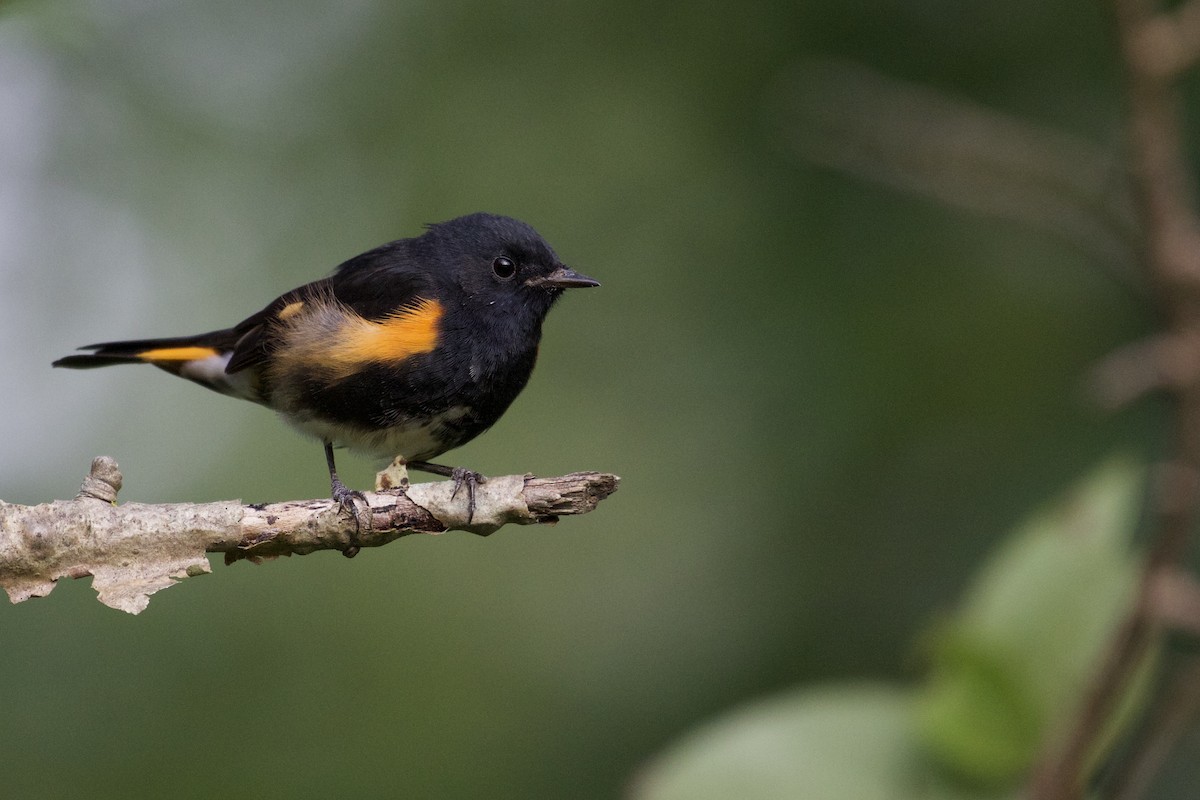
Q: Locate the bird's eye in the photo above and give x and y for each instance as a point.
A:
(504, 268)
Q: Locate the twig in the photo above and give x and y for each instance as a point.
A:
(1163, 362)
(928, 142)
(1163, 197)
(133, 550)
(1169, 43)
(1169, 722)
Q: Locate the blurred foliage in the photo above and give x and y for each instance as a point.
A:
(827, 399)
(1007, 670)
(850, 742)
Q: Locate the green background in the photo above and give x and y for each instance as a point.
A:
(827, 399)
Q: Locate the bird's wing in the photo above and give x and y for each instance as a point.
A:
(257, 333)
(369, 287)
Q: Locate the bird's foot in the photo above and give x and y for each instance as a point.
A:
(471, 479)
(461, 477)
(345, 497)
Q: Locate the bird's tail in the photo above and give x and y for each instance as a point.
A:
(160, 352)
(201, 358)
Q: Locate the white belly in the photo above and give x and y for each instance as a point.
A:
(413, 441)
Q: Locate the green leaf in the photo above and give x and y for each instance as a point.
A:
(847, 742)
(1006, 669)
(1009, 667)
(976, 713)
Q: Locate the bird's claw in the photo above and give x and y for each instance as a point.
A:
(460, 475)
(463, 476)
(345, 497)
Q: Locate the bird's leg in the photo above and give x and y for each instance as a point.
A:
(345, 498)
(460, 475)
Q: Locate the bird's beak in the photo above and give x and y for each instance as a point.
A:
(562, 278)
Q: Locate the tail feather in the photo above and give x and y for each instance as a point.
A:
(93, 360)
(201, 359)
(160, 352)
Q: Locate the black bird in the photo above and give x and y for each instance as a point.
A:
(410, 349)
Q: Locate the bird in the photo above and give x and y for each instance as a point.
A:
(408, 350)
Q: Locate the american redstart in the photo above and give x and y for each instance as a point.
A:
(410, 349)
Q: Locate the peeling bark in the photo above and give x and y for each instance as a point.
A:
(133, 550)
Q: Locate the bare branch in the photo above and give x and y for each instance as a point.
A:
(1168, 43)
(133, 550)
(928, 142)
(1163, 195)
(1162, 362)
(1174, 599)
(1168, 724)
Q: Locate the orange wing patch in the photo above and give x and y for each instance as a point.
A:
(411, 330)
(291, 309)
(406, 332)
(177, 354)
(329, 338)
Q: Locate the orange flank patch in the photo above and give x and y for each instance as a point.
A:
(177, 354)
(407, 332)
(291, 309)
